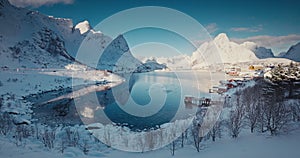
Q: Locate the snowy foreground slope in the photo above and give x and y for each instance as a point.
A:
(247, 146)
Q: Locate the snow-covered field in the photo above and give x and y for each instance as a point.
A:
(246, 146)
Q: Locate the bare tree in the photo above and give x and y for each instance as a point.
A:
(72, 137)
(183, 137)
(196, 135)
(107, 137)
(236, 117)
(5, 123)
(196, 130)
(215, 131)
(260, 117)
(48, 137)
(173, 147)
(251, 102)
(85, 147)
(141, 143)
(295, 109)
(276, 112)
(62, 146)
(22, 132)
(277, 116)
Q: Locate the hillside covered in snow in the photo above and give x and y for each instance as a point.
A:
(29, 39)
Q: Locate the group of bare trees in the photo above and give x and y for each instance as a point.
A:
(264, 107)
(236, 116)
(57, 138)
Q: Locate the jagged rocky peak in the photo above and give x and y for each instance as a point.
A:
(83, 26)
(117, 57)
(121, 43)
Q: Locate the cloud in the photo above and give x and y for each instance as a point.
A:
(277, 43)
(38, 3)
(211, 28)
(247, 29)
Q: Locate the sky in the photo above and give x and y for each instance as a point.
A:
(274, 24)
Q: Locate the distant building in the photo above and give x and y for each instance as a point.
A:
(256, 67)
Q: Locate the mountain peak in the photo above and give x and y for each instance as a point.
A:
(293, 53)
(222, 37)
(83, 26)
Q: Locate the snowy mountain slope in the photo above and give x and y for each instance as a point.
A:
(293, 53)
(117, 57)
(31, 39)
(260, 52)
(221, 47)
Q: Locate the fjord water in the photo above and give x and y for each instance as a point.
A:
(143, 101)
(146, 100)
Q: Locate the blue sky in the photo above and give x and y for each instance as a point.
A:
(260, 21)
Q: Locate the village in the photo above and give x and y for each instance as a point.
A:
(236, 76)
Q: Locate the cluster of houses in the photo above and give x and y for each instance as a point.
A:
(225, 85)
(239, 77)
(252, 71)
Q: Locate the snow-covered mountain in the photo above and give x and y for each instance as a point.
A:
(259, 51)
(30, 39)
(221, 48)
(293, 53)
